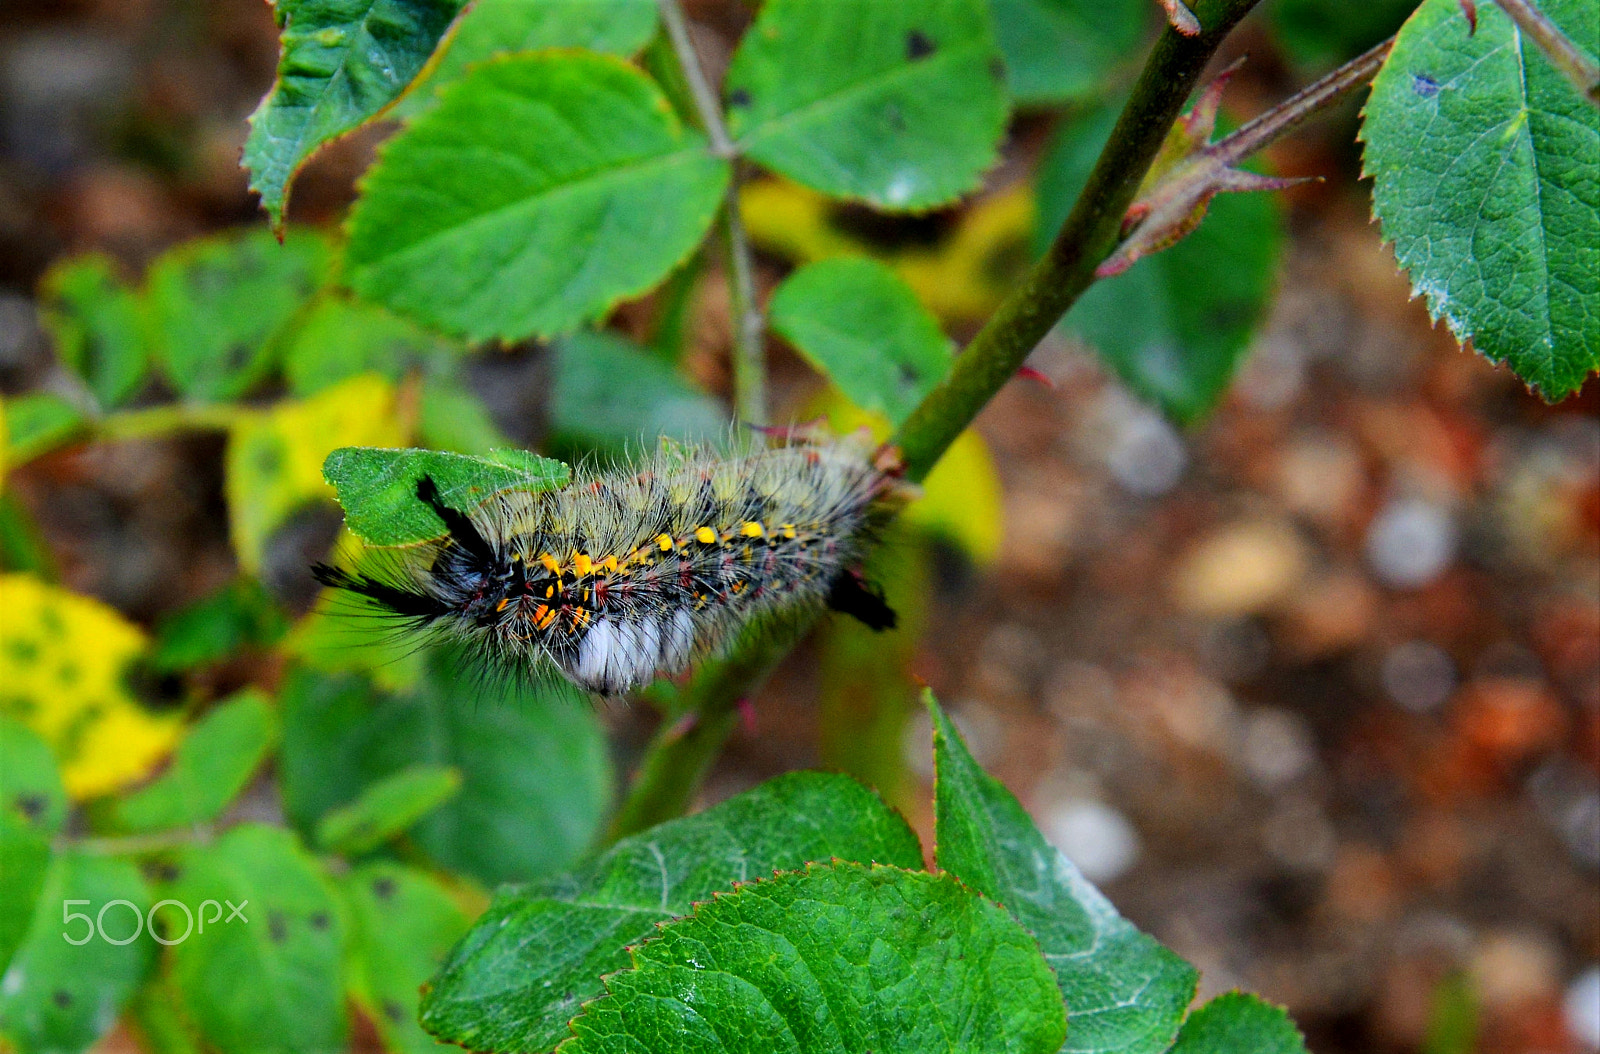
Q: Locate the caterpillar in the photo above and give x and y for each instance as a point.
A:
(634, 572)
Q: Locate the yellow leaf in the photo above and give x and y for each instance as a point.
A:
(961, 498)
(274, 459)
(963, 276)
(62, 664)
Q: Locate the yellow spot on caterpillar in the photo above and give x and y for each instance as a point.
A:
(581, 563)
(752, 530)
(580, 616)
(550, 563)
(543, 616)
(705, 535)
(502, 605)
(609, 564)
(664, 541)
(549, 591)
(788, 530)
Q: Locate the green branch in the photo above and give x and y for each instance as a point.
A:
(749, 341)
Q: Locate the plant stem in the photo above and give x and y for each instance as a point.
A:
(679, 756)
(1566, 56)
(1088, 234)
(167, 419)
(705, 100)
(1271, 125)
(749, 343)
(683, 750)
(135, 844)
(749, 328)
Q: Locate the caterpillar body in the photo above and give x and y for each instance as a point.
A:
(632, 573)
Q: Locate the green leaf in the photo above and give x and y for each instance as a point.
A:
(861, 326)
(1235, 1022)
(495, 27)
(33, 805)
(1453, 1017)
(217, 307)
(1059, 50)
(537, 776)
(1323, 33)
(1176, 325)
(402, 922)
(1125, 993)
(1482, 159)
(23, 546)
(387, 807)
(343, 62)
(240, 615)
(37, 423)
(451, 417)
(212, 765)
(866, 689)
(378, 488)
(837, 958)
(339, 338)
(94, 319)
(899, 105)
(330, 641)
(607, 393)
(59, 995)
(31, 794)
(538, 953)
(543, 189)
(156, 1017)
(269, 980)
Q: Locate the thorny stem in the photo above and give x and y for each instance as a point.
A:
(1267, 128)
(679, 756)
(749, 362)
(1566, 56)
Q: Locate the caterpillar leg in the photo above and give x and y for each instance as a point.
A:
(854, 596)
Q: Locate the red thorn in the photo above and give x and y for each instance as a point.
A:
(1181, 18)
(1034, 375)
(747, 716)
(1202, 119)
(1113, 267)
(1134, 216)
(1470, 9)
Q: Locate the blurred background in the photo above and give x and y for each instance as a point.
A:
(1311, 687)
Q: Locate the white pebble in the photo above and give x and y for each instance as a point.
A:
(1411, 542)
(1582, 1006)
(1418, 675)
(1146, 455)
(1094, 836)
(1277, 748)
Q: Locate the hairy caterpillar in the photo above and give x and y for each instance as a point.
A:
(632, 573)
